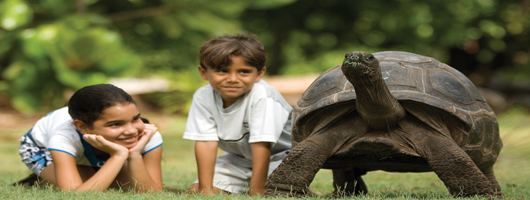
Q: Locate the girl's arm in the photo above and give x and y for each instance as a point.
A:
(144, 171)
(261, 152)
(206, 154)
(68, 177)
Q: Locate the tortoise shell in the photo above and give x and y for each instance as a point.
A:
(409, 77)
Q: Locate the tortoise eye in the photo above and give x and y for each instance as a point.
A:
(370, 57)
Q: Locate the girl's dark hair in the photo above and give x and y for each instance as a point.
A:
(88, 103)
(217, 53)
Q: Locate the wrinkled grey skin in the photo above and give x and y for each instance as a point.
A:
(392, 111)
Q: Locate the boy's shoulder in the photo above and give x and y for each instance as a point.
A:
(262, 87)
(203, 91)
(205, 96)
(263, 90)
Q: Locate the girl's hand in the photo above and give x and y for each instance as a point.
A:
(145, 136)
(99, 142)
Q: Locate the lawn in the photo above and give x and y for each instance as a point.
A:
(179, 170)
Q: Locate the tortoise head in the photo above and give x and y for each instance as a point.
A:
(360, 64)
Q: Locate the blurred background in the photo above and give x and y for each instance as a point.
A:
(50, 48)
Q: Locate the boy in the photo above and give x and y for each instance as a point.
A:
(239, 113)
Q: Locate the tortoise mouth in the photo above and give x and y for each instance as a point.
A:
(361, 66)
(354, 64)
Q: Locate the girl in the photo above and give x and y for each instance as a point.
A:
(98, 141)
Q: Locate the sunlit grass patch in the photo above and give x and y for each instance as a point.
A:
(514, 127)
(179, 169)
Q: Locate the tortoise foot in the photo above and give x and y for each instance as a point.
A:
(277, 192)
(348, 182)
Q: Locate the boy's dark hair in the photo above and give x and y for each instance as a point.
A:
(217, 53)
(88, 103)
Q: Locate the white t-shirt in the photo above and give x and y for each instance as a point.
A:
(261, 115)
(56, 131)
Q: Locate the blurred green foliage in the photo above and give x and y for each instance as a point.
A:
(48, 47)
(66, 52)
(481, 38)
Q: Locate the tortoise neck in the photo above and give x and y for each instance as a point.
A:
(375, 103)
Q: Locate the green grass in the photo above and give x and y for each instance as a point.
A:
(179, 170)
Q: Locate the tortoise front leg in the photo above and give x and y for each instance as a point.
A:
(496, 187)
(296, 172)
(455, 168)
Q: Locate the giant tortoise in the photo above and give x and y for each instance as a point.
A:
(391, 111)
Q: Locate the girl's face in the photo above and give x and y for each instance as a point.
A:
(120, 124)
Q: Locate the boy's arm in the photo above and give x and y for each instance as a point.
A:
(261, 152)
(206, 154)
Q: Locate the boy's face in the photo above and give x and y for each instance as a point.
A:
(232, 81)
